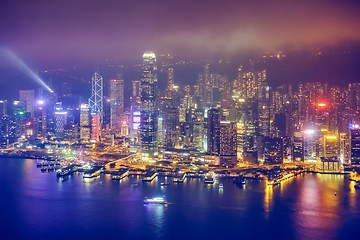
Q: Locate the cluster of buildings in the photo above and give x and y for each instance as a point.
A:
(218, 120)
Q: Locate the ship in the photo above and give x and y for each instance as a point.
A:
(155, 201)
(209, 179)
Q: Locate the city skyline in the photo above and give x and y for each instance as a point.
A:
(179, 119)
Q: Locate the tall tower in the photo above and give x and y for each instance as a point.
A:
(213, 132)
(170, 75)
(148, 123)
(97, 96)
(116, 102)
(28, 97)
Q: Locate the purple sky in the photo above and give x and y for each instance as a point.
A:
(57, 31)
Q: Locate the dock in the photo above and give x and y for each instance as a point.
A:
(180, 177)
(149, 176)
(120, 174)
(93, 172)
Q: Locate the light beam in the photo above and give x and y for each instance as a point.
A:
(19, 63)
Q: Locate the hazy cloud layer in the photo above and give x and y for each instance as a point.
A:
(55, 31)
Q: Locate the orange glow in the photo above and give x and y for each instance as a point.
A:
(321, 104)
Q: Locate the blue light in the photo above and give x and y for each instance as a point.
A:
(26, 69)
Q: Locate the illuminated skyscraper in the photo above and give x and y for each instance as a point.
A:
(170, 77)
(331, 146)
(95, 128)
(97, 96)
(171, 127)
(136, 91)
(148, 124)
(273, 150)
(355, 146)
(264, 109)
(213, 131)
(85, 122)
(116, 103)
(228, 143)
(60, 122)
(28, 97)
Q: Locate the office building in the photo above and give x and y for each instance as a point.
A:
(149, 110)
(116, 103)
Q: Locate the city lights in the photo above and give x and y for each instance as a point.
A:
(309, 131)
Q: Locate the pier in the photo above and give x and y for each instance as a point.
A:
(120, 175)
(180, 177)
(149, 176)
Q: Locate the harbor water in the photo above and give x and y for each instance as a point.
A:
(38, 205)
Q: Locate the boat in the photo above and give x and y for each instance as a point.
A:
(221, 185)
(155, 201)
(164, 183)
(209, 179)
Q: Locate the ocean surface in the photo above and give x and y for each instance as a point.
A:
(36, 205)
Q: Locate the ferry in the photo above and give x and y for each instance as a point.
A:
(155, 201)
(221, 185)
(209, 179)
(64, 171)
(164, 183)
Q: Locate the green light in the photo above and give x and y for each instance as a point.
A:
(21, 113)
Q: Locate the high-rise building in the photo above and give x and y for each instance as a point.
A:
(116, 103)
(60, 122)
(97, 96)
(136, 91)
(273, 150)
(28, 97)
(228, 143)
(213, 131)
(171, 117)
(95, 128)
(170, 78)
(331, 146)
(3, 107)
(355, 146)
(264, 109)
(149, 110)
(85, 122)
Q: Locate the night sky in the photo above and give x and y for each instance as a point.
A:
(51, 32)
(55, 34)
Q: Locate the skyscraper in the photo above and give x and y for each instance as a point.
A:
(85, 122)
(170, 76)
(97, 96)
(148, 124)
(116, 103)
(136, 91)
(213, 131)
(28, 97)
(228, 141)
(355, 146)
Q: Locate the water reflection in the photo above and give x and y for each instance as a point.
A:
(155, 217)
(268, 198)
